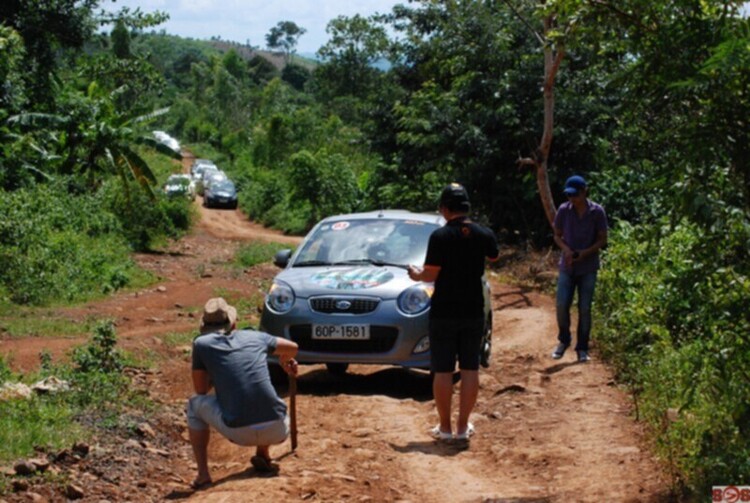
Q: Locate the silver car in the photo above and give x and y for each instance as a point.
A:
(345, 296)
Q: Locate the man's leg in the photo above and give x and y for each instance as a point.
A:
(442, 389)
(199, 440)
(586, 285)
(564, 299)
(469, 392)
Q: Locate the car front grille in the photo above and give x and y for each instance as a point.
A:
(331, 305)
(381, 340)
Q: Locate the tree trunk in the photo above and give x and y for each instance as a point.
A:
(552, 59)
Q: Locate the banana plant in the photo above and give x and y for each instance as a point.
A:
(89, 137)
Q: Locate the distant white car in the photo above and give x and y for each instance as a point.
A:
(160, 136)
(167, 140)
(180, 185)
(202, 164)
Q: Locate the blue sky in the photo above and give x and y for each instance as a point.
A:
(243, 20)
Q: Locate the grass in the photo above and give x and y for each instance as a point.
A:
(44, 421)
(100, 393)
(19, 322)
(177, 339)
(256, 253)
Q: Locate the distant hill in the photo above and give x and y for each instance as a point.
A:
(275, 58)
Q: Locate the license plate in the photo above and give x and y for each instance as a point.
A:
(345, 332)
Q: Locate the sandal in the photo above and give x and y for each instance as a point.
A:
(470, 430)
(439, 434)
(262, 464)
(197, 485)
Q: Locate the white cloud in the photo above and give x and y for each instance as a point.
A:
(252, 19)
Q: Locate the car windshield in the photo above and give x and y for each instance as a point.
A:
(223, 186)
(374, 241)
(177, 180)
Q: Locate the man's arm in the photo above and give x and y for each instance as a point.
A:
(601, 242)
(286, 350)
(201, 382)
(428, 273)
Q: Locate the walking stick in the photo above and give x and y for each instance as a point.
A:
(293, 408)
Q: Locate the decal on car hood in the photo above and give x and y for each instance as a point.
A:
(358, 278)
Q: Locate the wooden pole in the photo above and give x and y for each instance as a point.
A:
(293, 409)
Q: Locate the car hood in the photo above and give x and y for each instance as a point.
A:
(384, 282)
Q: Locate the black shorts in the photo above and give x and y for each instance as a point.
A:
(453, 338)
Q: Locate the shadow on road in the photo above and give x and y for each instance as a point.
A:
(435, 448)
(392, 382)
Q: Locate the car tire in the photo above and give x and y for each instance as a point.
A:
(338, 369)
(485, 352)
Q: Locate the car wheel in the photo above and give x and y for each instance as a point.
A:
(486, 348)
(338, 369)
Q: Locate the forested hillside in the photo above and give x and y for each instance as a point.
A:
(649, 100)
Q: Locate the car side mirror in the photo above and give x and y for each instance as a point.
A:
(281, 259)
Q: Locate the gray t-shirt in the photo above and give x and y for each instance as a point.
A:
(237, 366)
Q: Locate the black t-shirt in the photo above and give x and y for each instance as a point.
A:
(459, 249)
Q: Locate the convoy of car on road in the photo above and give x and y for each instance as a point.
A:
(205, 179)
(344, 296)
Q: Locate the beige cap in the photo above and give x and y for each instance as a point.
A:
(218, 316)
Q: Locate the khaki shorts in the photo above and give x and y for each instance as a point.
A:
(203, 411)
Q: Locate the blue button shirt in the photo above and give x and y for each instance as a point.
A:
(580, 233)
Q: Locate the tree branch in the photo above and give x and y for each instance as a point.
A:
(525, 22)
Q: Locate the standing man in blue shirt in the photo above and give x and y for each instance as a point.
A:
(580, 232)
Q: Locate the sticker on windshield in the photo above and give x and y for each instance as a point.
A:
(359, 278)
(340, 226)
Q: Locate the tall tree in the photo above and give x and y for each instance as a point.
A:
(285, 36)
(355, 44)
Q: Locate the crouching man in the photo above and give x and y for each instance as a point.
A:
(245, 409)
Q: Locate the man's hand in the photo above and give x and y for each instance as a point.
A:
(415, 272)
(289, 365)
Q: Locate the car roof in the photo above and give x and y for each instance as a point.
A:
(432, 218)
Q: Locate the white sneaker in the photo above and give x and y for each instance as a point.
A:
(439, 434)
(468, 433)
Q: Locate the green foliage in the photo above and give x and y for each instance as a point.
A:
(677, 301)
(47, 421)
(100, 354)
(99, 393)
(146, 222)
(56, 247)
(296, 76)
(257, 253)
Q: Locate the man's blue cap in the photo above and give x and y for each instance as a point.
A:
(574, 184)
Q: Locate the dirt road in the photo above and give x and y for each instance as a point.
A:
(547, 431)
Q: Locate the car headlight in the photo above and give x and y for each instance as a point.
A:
(280, 298)
(415, 299)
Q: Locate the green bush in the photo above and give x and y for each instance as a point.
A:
(676, 323)
(56, 246)
(145, 220)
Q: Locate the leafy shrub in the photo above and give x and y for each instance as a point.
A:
(146, 221)
(676, 304)
(58, 246)
(101, 353)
